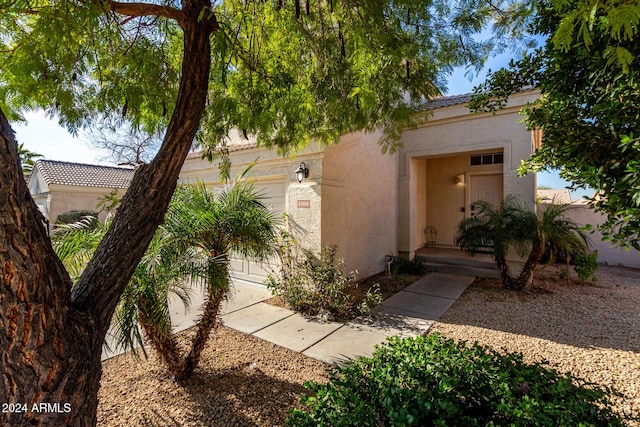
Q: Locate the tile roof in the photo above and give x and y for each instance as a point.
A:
(78, 174)
(446, 101)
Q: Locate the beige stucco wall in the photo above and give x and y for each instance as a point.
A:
(270, 169)
(583, 215)
(64, 198)
(348, 200)
(359, 193)
(454, 133)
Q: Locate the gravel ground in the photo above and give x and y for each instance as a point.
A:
(593, 331)
(241, 381)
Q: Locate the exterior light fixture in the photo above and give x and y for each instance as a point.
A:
(302, 172)
(460, 179)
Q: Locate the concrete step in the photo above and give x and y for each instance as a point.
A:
(467, 261)
(463, 270)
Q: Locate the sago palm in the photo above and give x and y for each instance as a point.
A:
(530, 234)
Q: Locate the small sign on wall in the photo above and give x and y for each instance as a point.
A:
(303, 204)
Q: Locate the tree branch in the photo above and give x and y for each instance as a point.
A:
(146, 9)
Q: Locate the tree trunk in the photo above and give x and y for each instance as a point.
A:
(44, 344)
(52, 335)
(217, 291)
(162, 341)
(505, 275)
(525, 278)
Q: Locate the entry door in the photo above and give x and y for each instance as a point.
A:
(487, 188)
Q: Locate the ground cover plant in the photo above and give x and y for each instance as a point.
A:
(434, 381)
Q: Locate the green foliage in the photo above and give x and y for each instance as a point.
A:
(530, 233)
(317, 285)
(27, 158)
(71, 217)
(586, 264)
(76, 242)
(590, 80)
(109, 202)
(279, 72)
(404, 265)
(433, 381)
(202, 229)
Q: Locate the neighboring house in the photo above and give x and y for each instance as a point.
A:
(558, 196)
(59, 187)
(371, 205)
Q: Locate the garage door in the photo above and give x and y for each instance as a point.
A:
(251, 270)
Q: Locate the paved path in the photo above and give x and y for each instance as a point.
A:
(410, 312)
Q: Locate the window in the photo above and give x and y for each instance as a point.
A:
(487, 159)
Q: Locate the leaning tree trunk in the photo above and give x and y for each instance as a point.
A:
(165, 345)
(52, 335)
(525, 278)
(505, 275)
(216, 293)
(44, 344)
(159, 337)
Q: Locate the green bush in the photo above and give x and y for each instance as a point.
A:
(71, 217)
(433, 381)
(315, 285)
(403, 265)
(586, 265)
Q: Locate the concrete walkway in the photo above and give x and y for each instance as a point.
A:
(410, 312)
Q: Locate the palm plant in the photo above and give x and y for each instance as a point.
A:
(27, 158)
(145, 301)
(214, 226)
(512, 225)
(201, 230)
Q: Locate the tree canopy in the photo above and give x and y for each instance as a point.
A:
(589, 111)
(283, 71)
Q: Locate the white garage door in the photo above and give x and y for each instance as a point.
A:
(254, 271)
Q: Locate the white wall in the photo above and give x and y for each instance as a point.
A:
(583, 215)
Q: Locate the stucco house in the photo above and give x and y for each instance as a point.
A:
(59, 187)
(370, 204)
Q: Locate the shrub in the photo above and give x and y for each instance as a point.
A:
(433, 381)
(315, 285)
(72, 217)
(403, 265)
(586, 265)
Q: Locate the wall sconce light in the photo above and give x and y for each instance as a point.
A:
(302, 172)
(460, 179)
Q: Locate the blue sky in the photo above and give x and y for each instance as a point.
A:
(44, 136)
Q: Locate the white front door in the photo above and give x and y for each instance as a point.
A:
(487, 188)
